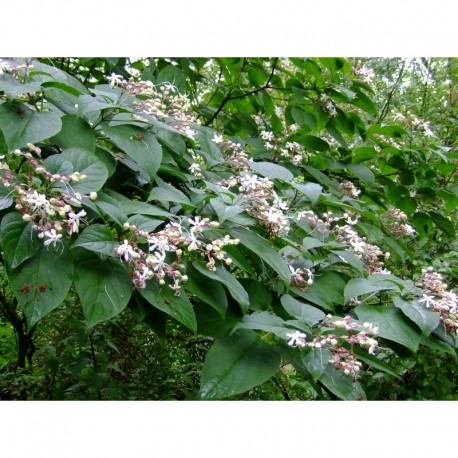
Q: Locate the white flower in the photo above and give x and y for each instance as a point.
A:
(267, 135)
(195, 168)
(114, 79)
(53, 237)
(126, 251)
(74, 220)
(197, 223)
(296, 338)
(427, 300)
(217, 139)
(157, 261)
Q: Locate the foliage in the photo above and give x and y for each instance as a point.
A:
(272, 225)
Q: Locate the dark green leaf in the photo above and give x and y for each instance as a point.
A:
(75, 133)
(304, 312)
(17, 240)
(20, 125)
(42, 282)
(236, 364)
(103, 286)
(97, 238)
(427, 320)
(392, 324)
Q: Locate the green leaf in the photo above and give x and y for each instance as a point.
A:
(206, 290)
(236, 364)
(6, 195)
(111, 208)
(263, 249)
(359, 286)
(232, 284)
(271, 170)
(392, 324)
(315, 361)
(304, 118)
(364, 102)
(350, 258)
(363, 173)
(264, 321)
(48, 276)
(304, 312)
(427, 320)
(168, 193)
(259, 295)
(17, 240)
(12, 87)
(75, 133)
(97, 238)
(144, 223)
(133, 207)
(311, 190)
(21, 125)
(82, 161)
(314, 143)
(178, 307)
(327, 290)
(342, 385)
(374, 362)
(138, 144)
(173, 75)
(443, 223)
(363, 153)
(309, 243)
(103, 286)
(225, 211)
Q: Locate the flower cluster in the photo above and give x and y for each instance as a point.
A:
(371, 255)
(349, 189)
(52, 211)
(257, 195)
(365, 74)
(413, 123)
(163, 102)
(166, 249)
(328, 106)
(298, 277)
(347, 333)
(437, 297)
(395, 220)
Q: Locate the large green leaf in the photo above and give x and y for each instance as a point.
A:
(392, 324)
(42, 282)
(17, 240)
(178, 307)
(263, 249)
(359, 286)
(75, 133)
(103, 286)
(12, 87)
(232, 284)
(316, 360)
(264, 321)
(373, 361)
(225, 211)
(97, 238)
(236, 364)
(342, 385)
(168, 193)
(310, 190)
(21, 125)
(304, 312)
(206, 290)
(83, 161)
(427, 320)
(271, 170)
(327, 290)
(6, 194)
(137, 143)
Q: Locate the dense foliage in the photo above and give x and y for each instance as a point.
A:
(243, 228)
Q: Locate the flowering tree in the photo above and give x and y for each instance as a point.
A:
(260, 203)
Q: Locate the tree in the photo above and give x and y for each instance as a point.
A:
(256, 202)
